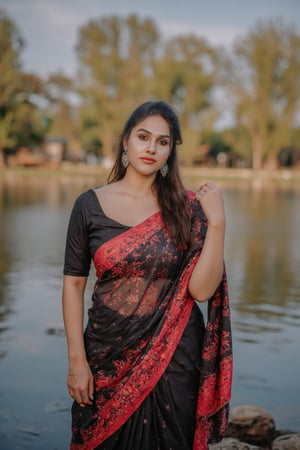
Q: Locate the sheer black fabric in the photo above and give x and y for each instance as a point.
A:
(154, 363)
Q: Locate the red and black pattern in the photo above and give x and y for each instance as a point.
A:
(141, 307)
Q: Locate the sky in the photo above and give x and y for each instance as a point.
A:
(50, 27)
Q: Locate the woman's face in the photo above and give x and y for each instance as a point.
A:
(149, 145)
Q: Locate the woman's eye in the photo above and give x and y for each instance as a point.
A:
(143, 137)
(164, 142)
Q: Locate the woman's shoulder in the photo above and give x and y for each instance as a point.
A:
(86, 202)
(85, 197)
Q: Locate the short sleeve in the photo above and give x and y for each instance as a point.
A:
(77, 254)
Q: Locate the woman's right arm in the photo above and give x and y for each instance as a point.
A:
(80, 379)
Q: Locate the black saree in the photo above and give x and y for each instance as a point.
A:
(162, 380)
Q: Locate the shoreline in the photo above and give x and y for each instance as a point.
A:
(285, 175)
(193, 177)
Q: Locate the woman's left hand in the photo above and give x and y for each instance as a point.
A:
(211, 199)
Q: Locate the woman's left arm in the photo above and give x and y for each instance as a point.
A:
(208, 271)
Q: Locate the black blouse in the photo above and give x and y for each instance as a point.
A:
(88, 229)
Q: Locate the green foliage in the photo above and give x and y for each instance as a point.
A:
(264, 80)
(123, 61)
(217, 144)
(60, 115)
(185, 78)
(11, 45)
(239, 141)
(115, 57)
(19, 116)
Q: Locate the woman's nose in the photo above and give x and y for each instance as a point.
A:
(151, 146)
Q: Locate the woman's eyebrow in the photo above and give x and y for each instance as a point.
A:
(149, 132)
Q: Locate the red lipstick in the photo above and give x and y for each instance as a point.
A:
(148, 160)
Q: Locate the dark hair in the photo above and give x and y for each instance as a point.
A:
(171, 195)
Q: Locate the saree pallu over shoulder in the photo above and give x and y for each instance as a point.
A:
(216, 359)
(216, 372)
(141, 306)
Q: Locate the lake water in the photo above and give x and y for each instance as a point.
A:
(263, 263)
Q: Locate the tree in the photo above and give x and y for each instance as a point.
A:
(61, 112)
(123, 62)
(115, 58)
(11, 46)
(185, 77)
(27, 127)
(20, 92)
(239, 141)
(264, 79)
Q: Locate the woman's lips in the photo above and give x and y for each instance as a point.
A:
(148, 160)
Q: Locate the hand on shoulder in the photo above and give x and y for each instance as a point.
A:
(211, 199)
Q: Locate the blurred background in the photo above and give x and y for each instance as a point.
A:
(70, 73)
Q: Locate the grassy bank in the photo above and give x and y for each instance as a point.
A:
(191, 175)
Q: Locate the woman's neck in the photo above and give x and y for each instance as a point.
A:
(137, 185)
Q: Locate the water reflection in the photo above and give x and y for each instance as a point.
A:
(263, 264)
(263, 261)
(23, 190)
(34, 214)
(264, 254)
(5, 267)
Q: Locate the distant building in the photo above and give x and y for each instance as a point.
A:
(55, 149)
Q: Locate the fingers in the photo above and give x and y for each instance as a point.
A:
(206, 189)
(211, 199)
(82, 398)
(82, 394)
(91, 388)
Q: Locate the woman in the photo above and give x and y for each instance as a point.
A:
(146, 373)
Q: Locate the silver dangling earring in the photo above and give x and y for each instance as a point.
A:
(164, 170)
(125, 160)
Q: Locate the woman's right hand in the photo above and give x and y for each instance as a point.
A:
(81, 383)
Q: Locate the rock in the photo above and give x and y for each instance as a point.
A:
(232, 444)
(227, 444)
(287, 442)
(252, 425)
